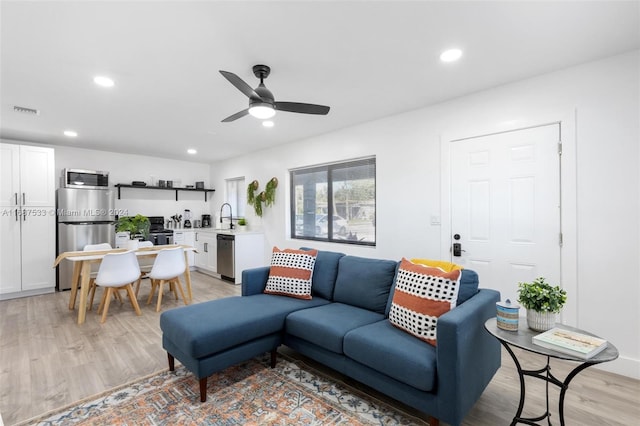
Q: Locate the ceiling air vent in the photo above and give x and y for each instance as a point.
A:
(25, 110)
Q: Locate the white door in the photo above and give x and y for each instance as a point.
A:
(10, 261)
(505, 207)
(207, 256)
(9, 175)
(38, 248)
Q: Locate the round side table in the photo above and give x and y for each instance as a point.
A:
(523, 339)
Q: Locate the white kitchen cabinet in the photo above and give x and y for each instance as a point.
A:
(249, 252)
(207, 257)
(187, 237)
(10, 258)
(27, 220)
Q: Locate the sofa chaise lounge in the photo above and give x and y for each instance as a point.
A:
(346, 326)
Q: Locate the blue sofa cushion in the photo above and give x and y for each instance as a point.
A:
(391, 351)
(198, 329)
(326, 325)
(364, 282)
(468, 285)
(324, 273)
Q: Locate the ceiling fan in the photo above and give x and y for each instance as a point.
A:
(261, 102)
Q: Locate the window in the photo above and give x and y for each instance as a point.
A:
(335, 202)
(237, 196)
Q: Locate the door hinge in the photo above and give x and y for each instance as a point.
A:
(560, 239)
(560, 148)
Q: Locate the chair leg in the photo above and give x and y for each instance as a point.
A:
(138, 285)
(92, 290)
(102, 299)
(107, 300)
(133, 299)
(142, 275)
(160, 286)
(173, 289)
(154, 286)
(177, 281)
(116, 293)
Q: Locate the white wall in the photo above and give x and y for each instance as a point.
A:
(600, 102)
(125, 168)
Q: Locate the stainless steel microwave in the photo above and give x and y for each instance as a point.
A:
(85, 179)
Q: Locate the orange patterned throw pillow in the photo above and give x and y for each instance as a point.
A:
(423, 294)
(291, 273)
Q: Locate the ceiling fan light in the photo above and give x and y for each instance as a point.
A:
(262, 111)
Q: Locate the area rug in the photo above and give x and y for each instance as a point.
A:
(250, 393)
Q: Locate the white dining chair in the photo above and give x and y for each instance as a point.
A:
(117, 270)
(94, 271)
(146, 263)
(167, 267)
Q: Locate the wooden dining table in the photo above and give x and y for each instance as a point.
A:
(82, 261)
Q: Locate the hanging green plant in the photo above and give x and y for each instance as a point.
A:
(251, 192)
(270, 192)
(257, 203)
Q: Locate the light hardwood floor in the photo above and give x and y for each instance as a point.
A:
(48, 361)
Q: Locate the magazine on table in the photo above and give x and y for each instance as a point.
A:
(570, 342)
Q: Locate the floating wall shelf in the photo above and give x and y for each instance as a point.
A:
(122, 185)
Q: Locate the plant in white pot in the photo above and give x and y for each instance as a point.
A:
(542, 302)
(137, 226)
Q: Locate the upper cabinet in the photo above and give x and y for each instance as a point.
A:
(27, 176)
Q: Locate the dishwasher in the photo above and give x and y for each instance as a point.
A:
(226, 257)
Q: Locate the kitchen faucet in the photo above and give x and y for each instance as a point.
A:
(230, 215)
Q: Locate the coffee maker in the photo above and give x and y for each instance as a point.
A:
(187, 218)
(206, 221)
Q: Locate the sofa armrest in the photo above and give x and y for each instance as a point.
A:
(467, 355)
(254, 280)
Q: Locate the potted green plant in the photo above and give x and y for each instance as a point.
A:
(137, 226)
(542, 302)
(242, 224)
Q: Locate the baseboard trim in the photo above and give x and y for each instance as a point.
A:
(625, 366)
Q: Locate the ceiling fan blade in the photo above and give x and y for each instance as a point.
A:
(240, 84)
(236, 116)
(302, 108)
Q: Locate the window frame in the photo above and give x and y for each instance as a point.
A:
(238, 201)
(330, 169)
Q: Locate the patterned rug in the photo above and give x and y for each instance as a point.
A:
(250, 393)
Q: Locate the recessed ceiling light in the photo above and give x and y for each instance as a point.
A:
(267, 123)
(103, 81)
(70, 133)
(191, 151)
(451, 55)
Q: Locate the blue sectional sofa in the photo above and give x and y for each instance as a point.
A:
(345, 326)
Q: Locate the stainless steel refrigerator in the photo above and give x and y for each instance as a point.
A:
(85, 216)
